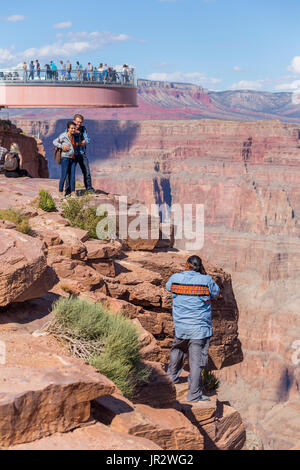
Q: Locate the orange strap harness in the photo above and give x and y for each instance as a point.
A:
(185, 289)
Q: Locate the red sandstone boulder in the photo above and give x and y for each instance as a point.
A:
(145, 294)
(114, 305)
(50, 237)
(22, 264)
(99, 250)
(75, 276)
(150, 350)
(220, 424)
(61, 239)
(230, 430)
(132, 274)
(43, 391)
(105, 267)
(159, 392)
(94, 437)
(7, 225)
(40, 287)
(167, 428)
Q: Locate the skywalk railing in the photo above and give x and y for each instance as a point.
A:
(125, 76)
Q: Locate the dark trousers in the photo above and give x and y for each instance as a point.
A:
(68, 169)
(17, 174)
(198, 355)
(83, 162)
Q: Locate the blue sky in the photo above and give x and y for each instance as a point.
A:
(219, 44)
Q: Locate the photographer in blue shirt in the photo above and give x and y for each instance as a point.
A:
(192, 292)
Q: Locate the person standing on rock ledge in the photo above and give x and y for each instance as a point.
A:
(192, 292)
(82, 139)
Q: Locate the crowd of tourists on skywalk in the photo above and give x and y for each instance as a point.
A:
(66, 71)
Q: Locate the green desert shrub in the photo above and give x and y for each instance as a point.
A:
(111, 341)
(81, 214)
(210, 382)
(21, 221)
(46, 202)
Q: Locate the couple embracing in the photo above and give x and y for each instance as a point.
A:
(73, 144)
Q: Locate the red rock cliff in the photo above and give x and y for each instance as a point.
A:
(32, 149)
(247, 176)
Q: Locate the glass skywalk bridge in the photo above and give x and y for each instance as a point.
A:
(46, 88)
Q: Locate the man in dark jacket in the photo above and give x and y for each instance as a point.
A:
(82, 139)
(192, 291)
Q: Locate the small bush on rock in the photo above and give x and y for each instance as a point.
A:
(107, 341)
(210, 382)
(81, 214)
(46, 202)
(20, 220)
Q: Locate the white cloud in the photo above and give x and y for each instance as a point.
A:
(236, 68)
(64, 24)
(73, 45)
(14, 18)
(292, 86)
(295, 65)
(248, 85)
(6, 55)
(196, 78)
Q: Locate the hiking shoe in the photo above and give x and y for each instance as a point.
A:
(202, 398)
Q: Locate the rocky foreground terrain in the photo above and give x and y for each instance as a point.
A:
(51, 400)
(247, 176)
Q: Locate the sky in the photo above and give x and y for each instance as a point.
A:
(217, 44)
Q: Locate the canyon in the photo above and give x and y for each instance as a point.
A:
(246, 174)
(171, 100)
(51, 400)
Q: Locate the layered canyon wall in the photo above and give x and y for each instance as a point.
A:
(171, 100)
(247, 176)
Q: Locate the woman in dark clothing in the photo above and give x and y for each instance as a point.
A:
(19, 171)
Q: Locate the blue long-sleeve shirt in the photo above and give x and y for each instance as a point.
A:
(78, 137)
(191, 314)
